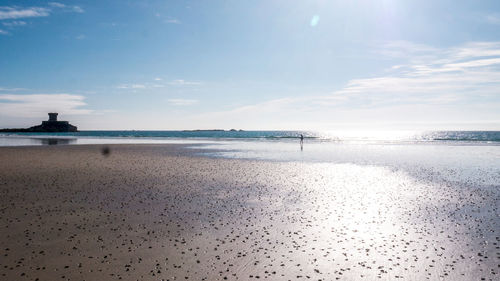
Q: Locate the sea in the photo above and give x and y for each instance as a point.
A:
(457, 155)
(108, 137)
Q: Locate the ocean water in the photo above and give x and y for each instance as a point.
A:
(322, 136)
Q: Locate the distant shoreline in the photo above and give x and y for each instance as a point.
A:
(11, 135)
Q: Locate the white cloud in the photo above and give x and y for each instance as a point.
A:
(167, 19)
(57, 4)
(12, 89)
(463, 72)
(76, 9)
(173, 21)
(454, 85)
(14, 23)
(180, 82)
(132, 86)
(182, 102)
(39, 104)
(138, 86)
(80, 37)
(17, 12)
(158, 84)
(404, 49)
(422, 54)
(493, 19)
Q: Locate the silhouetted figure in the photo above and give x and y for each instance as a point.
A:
(301, 142)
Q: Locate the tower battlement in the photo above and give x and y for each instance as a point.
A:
(53, 117)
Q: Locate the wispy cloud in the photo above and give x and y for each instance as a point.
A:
(80, 37)
(78, 9)
(457, 84)
(493, 18)
(180, 82)
(17, 12)
(463, 72)
(7, 12)
(57, 4)
(39, 104)
(132, 86)
(158, 84)
(172, 20)
(182, 102)
(14, 23)
(69, 8)
(12, 89)
(167, 19)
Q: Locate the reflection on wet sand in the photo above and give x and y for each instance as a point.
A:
(157, 213)
(30, 141)
(54, 141)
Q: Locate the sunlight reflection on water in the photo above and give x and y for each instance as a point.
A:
(373, 217)
(476, 163)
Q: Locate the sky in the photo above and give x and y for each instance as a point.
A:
(253, 65)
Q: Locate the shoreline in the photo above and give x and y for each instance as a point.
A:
(398, 137)
(154, 212)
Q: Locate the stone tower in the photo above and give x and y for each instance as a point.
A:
(51, 126)
(52, 117)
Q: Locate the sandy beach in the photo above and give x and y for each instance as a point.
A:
(158, 212)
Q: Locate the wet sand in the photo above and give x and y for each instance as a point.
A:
(156, 212)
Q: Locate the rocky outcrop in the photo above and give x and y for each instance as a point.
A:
(51, 126)
(54, 126)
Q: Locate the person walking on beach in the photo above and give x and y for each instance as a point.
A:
(301, 141)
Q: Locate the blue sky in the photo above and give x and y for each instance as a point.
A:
(321, 65)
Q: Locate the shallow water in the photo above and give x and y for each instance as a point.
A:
(467, 163)
(37, 140)
(347, 135)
